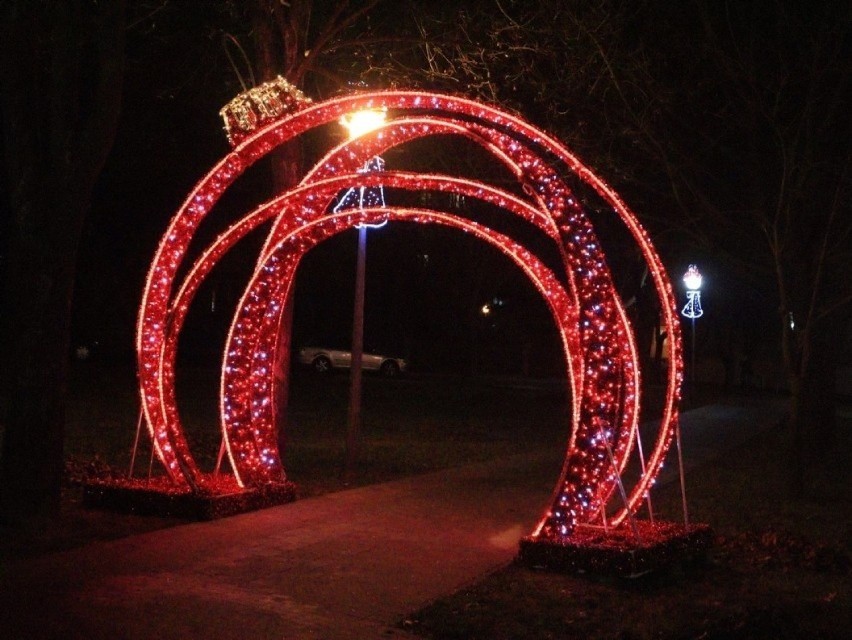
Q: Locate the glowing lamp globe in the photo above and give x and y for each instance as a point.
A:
(362, 122)
(692, 278)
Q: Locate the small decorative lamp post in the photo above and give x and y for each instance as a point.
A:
(358, 124)
(692, 309)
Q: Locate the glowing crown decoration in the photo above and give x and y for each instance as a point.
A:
(259, 106)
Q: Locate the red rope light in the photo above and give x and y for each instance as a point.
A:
(597, 339)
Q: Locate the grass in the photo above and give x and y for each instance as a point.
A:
(780, 568)
(411, 425)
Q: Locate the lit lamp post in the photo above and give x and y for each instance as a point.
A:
(692, 309)
(358, 124)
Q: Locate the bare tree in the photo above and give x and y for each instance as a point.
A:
(785, 77)
(304, 42)
(746, 112)
(728, 123)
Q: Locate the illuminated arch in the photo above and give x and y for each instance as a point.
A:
(598, 341)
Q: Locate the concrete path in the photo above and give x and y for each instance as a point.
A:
(348, 565)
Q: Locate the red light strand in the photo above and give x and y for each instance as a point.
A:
(599, 347)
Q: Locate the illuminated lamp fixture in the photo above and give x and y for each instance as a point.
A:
(363, 121)
(357, 124)
(692, 280)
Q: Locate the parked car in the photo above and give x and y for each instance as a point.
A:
(323, 360)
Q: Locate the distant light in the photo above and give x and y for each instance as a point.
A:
(486, 309)
(692, 278)
(361, 122)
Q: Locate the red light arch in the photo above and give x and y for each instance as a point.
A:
(597, 338)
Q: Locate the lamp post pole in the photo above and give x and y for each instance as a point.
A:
(353, 424)
(693, 352)
(357, 124)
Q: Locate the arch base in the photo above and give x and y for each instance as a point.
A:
(617, 552)
(160, 497)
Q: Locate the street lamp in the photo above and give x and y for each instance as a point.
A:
(357, 124)
(692, 310)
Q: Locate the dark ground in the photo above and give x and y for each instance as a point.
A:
(780, 567)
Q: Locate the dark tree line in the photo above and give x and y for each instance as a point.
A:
(61, 71)
(771, 188)
(727, 126)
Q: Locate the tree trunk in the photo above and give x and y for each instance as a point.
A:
(38, 293)
(285, 166)
(812, 407)
(61, 77)
(277, 51)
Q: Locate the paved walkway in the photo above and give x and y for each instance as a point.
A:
(342, 566)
